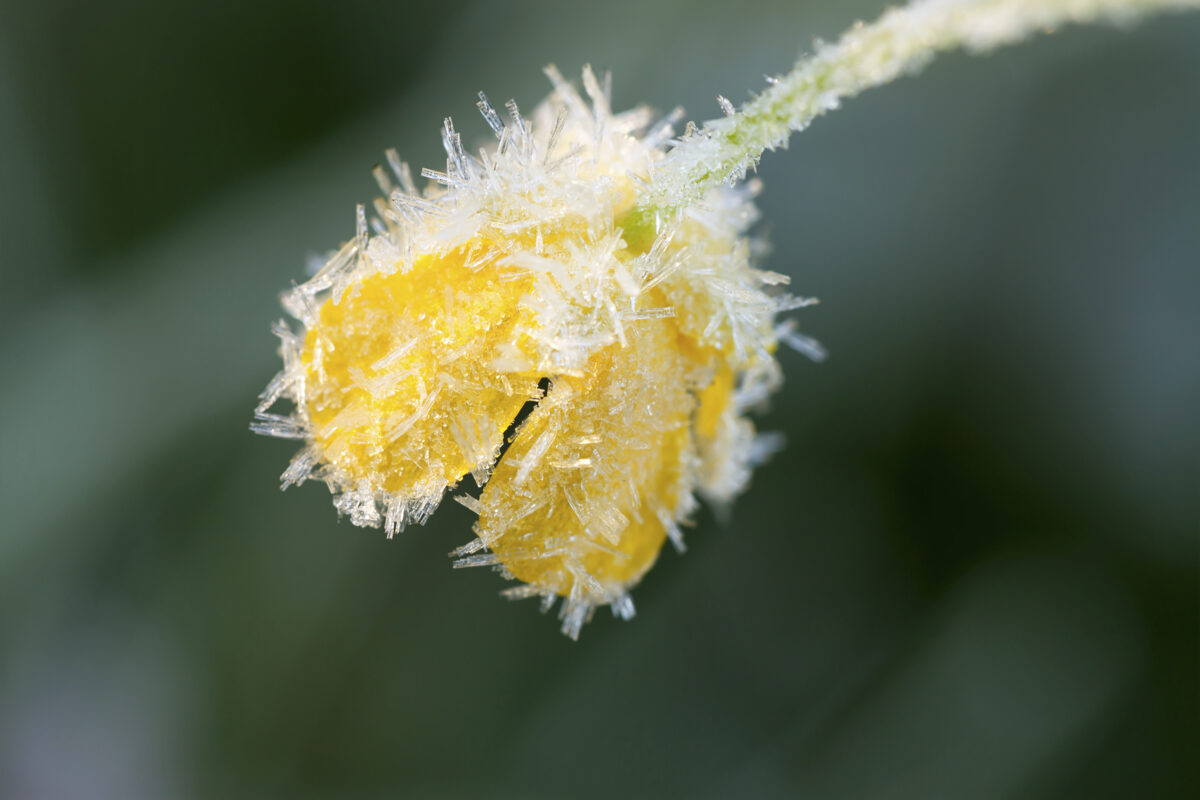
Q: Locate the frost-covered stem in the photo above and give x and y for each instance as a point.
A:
(900, 42)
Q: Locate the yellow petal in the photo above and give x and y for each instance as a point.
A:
(579, 505)
(401, 386)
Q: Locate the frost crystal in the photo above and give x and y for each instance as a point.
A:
(523, 283)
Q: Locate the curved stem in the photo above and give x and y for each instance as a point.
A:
(900, 42)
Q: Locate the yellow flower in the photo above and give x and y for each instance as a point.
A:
(523, 320)
(585, 298)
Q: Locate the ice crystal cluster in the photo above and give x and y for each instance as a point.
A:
(524, 279)
(572, 316)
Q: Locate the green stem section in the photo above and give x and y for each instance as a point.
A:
(900, 42)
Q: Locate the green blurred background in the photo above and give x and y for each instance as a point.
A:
(971, 574)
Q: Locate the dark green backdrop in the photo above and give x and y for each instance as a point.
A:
(972, 573)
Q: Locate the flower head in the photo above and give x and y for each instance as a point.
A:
(585, 298)
(524, 320)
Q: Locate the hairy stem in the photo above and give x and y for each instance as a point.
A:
(900, 42)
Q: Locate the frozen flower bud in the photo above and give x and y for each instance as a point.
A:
(526, 304)
(572, 317)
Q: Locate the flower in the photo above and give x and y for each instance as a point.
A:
(589, 361)
(573, 318)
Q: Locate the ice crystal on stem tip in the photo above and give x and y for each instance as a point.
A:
(572, 316)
